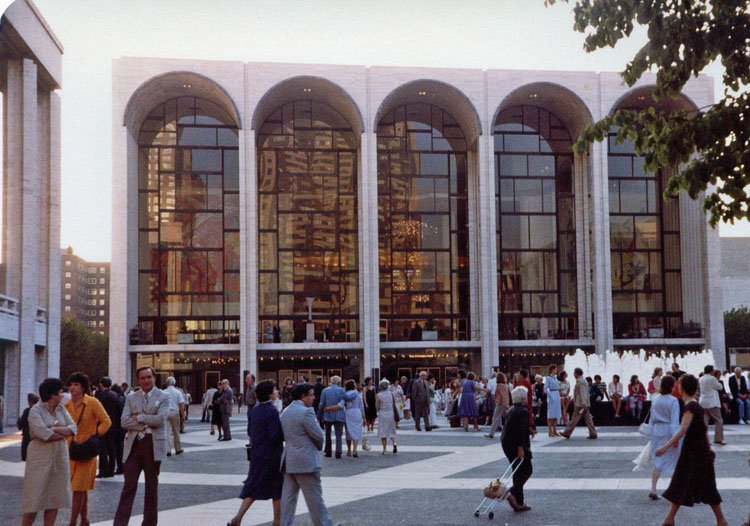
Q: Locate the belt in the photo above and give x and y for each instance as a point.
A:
(554, 389)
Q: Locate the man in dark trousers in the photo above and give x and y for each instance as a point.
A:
(738, 388)
(517, 446)
(23, 424)
(107, 453)
(318, 388)
(420, 401)
(226, 402)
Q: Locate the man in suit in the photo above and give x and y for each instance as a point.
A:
(303, 442)
(420, 401)
(581, 403)
(145, 418)
(226, 401)
(333, 414)
(738, 388)
(111, 403)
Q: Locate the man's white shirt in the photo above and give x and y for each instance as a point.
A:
(175, 399)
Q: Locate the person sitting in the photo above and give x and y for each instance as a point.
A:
(602, 386)
(738, 388)
(595, 394)
(615, 394)
(636, 397)
(517, 447)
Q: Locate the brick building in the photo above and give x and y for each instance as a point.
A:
(85, 291)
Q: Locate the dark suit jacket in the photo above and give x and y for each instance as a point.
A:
(736, 388)
(419, 393)
(111, 403)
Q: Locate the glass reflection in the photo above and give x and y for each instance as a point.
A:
(423, 230)
(537, 290)
(188, 225)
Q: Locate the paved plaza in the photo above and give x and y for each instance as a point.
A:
(434, 479)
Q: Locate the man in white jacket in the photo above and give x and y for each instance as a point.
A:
(711, 403)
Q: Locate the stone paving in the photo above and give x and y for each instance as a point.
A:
(434, 479)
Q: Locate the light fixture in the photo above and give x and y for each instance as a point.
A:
(534, 95)
(641, 98)
(307, 90)
(187, 86)
(422, 93)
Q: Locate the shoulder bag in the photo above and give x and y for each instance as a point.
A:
(395, 411)
(645, 428)
(87, 449)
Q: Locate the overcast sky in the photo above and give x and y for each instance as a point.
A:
(433, 33)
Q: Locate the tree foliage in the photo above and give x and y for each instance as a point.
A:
(82, 349)
(684, 36)
(737, 327)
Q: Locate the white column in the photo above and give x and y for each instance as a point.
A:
(248, 252)
(583, 244)
(487, 253)
(30, 179)
(714, 307)
(692, 236)
(600, 257)
(54, 305)
(369, 277)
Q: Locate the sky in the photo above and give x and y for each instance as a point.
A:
(514, 34)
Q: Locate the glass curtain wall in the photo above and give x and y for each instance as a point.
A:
(645, 248)
(188, 247)
(307, 191)
(536, 238)
(423, 225)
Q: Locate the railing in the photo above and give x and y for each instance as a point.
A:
(41, 315)
(552, 334)
(8, 305)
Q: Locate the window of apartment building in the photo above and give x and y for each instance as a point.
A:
(67, 308)
(101, 324)
(101, 291)
(102, 270)
(101, 302)
(67, 297)
(101, 313)
(67, 263)
(67, 274)
(67, 285)
(102, 281)
(91, 281)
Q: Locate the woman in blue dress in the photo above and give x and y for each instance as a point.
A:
(264, 480)
(467, 407)
(554, 407)
(665, 422)
(354, 408)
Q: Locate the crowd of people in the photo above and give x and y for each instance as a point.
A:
(68, 426)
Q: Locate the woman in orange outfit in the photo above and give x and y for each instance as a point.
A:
(91, 418)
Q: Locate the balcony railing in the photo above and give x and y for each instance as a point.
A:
(41, 315)
(8, 305)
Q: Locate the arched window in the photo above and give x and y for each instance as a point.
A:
(188, 247)
(423, 225)
(307, 224)
(645, 248)
(536, 239)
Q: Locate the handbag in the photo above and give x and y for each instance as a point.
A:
(643, 460)
(645, 428)
(395, 411)
(87, 449)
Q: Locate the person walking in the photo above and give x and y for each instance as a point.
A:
(207, 404)
(432, 395)
(420, 401)
(665, 422)
(226, 402)
(108, 441)
(301, 458)
(581, 407)
(145, 419)
(23, 424)
(554, 409)
(467, 407)
(738, 388)
(386, 404)
(333, 414)
(516, 445)
(502, 402)
(694, 478)
(250, 399)
(46, 478)
(371, 412)
(711, 403)
(216, 419)
(264, 479)
(286, 391)
(91, 420)
(176, 407)
(354, 408)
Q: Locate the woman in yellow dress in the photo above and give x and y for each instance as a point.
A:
(90, 418)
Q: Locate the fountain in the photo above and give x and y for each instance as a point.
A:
(628, 363)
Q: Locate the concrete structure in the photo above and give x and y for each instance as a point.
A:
(735, 272)
(475, 108)
(30, 279)
(85, 291)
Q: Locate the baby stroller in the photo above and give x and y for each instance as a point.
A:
(497, 490)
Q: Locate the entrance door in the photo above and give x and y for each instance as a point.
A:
(211, 379)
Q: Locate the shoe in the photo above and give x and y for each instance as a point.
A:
(428, 429)
(565, 435)
(213, 432)
(435, 427)
(338, 455)
(747, 421)
(355, 455)
(328, 455)
(522, 509)
(395, 449)
(653, 496)
(592, 437)
(722, 443)
(169, 453)
(100, 476)
(348, 453)
(120, 472)
(180, 452)
(488, 436)
(382, 452)
(513, 503)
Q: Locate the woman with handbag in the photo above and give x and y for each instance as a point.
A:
(46, 479)
(92, 421)
(664, 423)
(388, 416)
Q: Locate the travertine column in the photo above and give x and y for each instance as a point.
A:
(583, 244)
(248, 253)
(600, 257)
(369, 333)
(487, 254)
(53, 314)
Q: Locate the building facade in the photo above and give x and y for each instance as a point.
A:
(85, 291)
(318, 219)
(30, 77)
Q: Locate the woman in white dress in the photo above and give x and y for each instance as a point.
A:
(46, 480)
(554, 408)
(564, 397)
(398, 392)
(386, 403)
(354, 408)
(665, 422)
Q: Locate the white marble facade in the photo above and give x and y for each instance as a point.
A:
(30, 271)
(250, 91)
